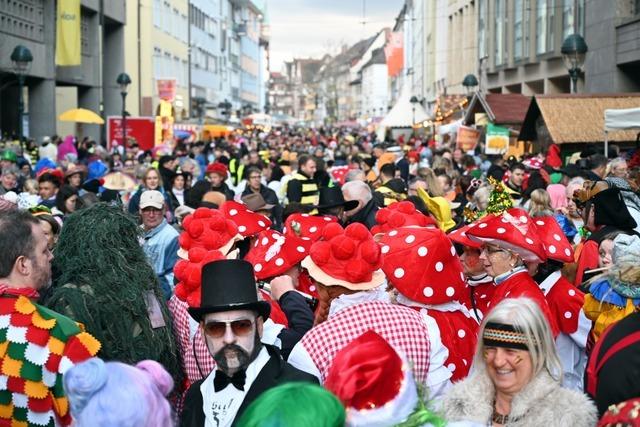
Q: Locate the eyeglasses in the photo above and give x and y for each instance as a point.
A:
(254, 177)
(491, 250)
(240, 328)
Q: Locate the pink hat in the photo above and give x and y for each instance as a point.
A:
(558, 194)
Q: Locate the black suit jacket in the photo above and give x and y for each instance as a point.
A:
(274, 373)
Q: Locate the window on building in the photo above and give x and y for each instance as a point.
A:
(482, 28)
(568, 18)
(500, 33)
(551, 25)
(541, 27)
(157, 10)
(526, 25)
(518, 30)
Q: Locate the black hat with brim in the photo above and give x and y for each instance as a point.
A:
(331, 197)
(229, 285)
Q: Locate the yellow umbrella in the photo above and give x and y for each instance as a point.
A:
(80, 115)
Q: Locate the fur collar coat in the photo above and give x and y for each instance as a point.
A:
(543, 402)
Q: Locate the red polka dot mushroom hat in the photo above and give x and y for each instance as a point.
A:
(556, 244)
(308, 227)
(273, 253)
(209, 229)
(422, 264)
(188, 272)
(460, 235)
(249, 222)
(400, 214)
(346, 257)
(514, 231)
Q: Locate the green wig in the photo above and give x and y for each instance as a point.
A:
(105, 282)
(295, 404)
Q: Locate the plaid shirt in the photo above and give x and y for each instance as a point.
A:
(402, 327)
(196, 359)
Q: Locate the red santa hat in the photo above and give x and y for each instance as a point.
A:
(249, 222)
(208, 229)
(422, 264)
(556, 245)
(512, 230)
(373, 382)
(273, 253)
(338, 173)
(346, 257)
(189, 274)
(308, 227)
(400, 214)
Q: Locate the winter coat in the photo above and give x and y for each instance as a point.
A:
(542, 402)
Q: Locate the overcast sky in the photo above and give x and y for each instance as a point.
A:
(310, 28)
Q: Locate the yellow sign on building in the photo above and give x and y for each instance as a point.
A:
(68, 46)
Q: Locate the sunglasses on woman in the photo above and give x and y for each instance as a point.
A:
(217, 329)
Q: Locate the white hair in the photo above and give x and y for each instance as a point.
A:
(481, 197)
(526, 316)
(357, 190)
(355, 175)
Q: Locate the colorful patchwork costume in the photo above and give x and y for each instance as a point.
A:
(37, 346)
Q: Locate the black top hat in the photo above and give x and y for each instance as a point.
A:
(331, 197)
(228, 285)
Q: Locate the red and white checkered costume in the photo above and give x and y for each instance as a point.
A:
(402, 327)
(192, 346)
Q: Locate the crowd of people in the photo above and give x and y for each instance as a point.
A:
(299, 277)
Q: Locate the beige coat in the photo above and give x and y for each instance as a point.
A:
(543, 402)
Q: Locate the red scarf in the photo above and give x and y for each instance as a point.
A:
(16, 292)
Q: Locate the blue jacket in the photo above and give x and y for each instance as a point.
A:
(161, 247)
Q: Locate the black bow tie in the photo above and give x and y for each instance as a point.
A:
(222, 380)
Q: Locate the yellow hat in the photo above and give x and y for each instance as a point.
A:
(439, 208)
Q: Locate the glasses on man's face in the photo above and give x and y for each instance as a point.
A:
(240, 328)
(254, 177)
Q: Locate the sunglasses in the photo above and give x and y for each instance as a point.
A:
(240, 328)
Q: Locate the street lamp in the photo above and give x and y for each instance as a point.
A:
(21, 58)
(124, 81)
(574, 51)
(469, 82)
(414, 100)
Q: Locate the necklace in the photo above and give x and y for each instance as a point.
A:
(498, 418)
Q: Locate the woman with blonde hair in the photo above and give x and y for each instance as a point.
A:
(516, 375)
(151, 180)
(540, 203)
(434, 188)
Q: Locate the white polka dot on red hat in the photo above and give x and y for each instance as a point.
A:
(313, 229)
(462, 276)
(242, 228)
(529, 241)
(465, 362)
(428, 292)
(552, 249)
(567, 252)
(279, 262)
(300, 249)
(439, 266)
(453, 251)
(523, 219)
(326, 218)
(501, 230)
(312, 288)
(393, 233)
(568, 315)
(540, 222)
(257, 268)
(423, 251)
(557, 237)
(304, 215)
(261, 223)
(483, 296)
(461, 333)
(483, 225)
(265, 241)
(233, 212)
(450, 291)
(572, 292)
(410, 238)
(385, 249)
(398, 273)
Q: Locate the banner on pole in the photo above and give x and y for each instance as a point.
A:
(68, 46)
(497, 139)
(394, 53)
(139, 129)
(167, 89)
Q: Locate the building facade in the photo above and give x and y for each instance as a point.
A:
(462, 47)
(91, 85)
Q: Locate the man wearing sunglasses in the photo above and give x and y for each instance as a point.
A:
(231, 318)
